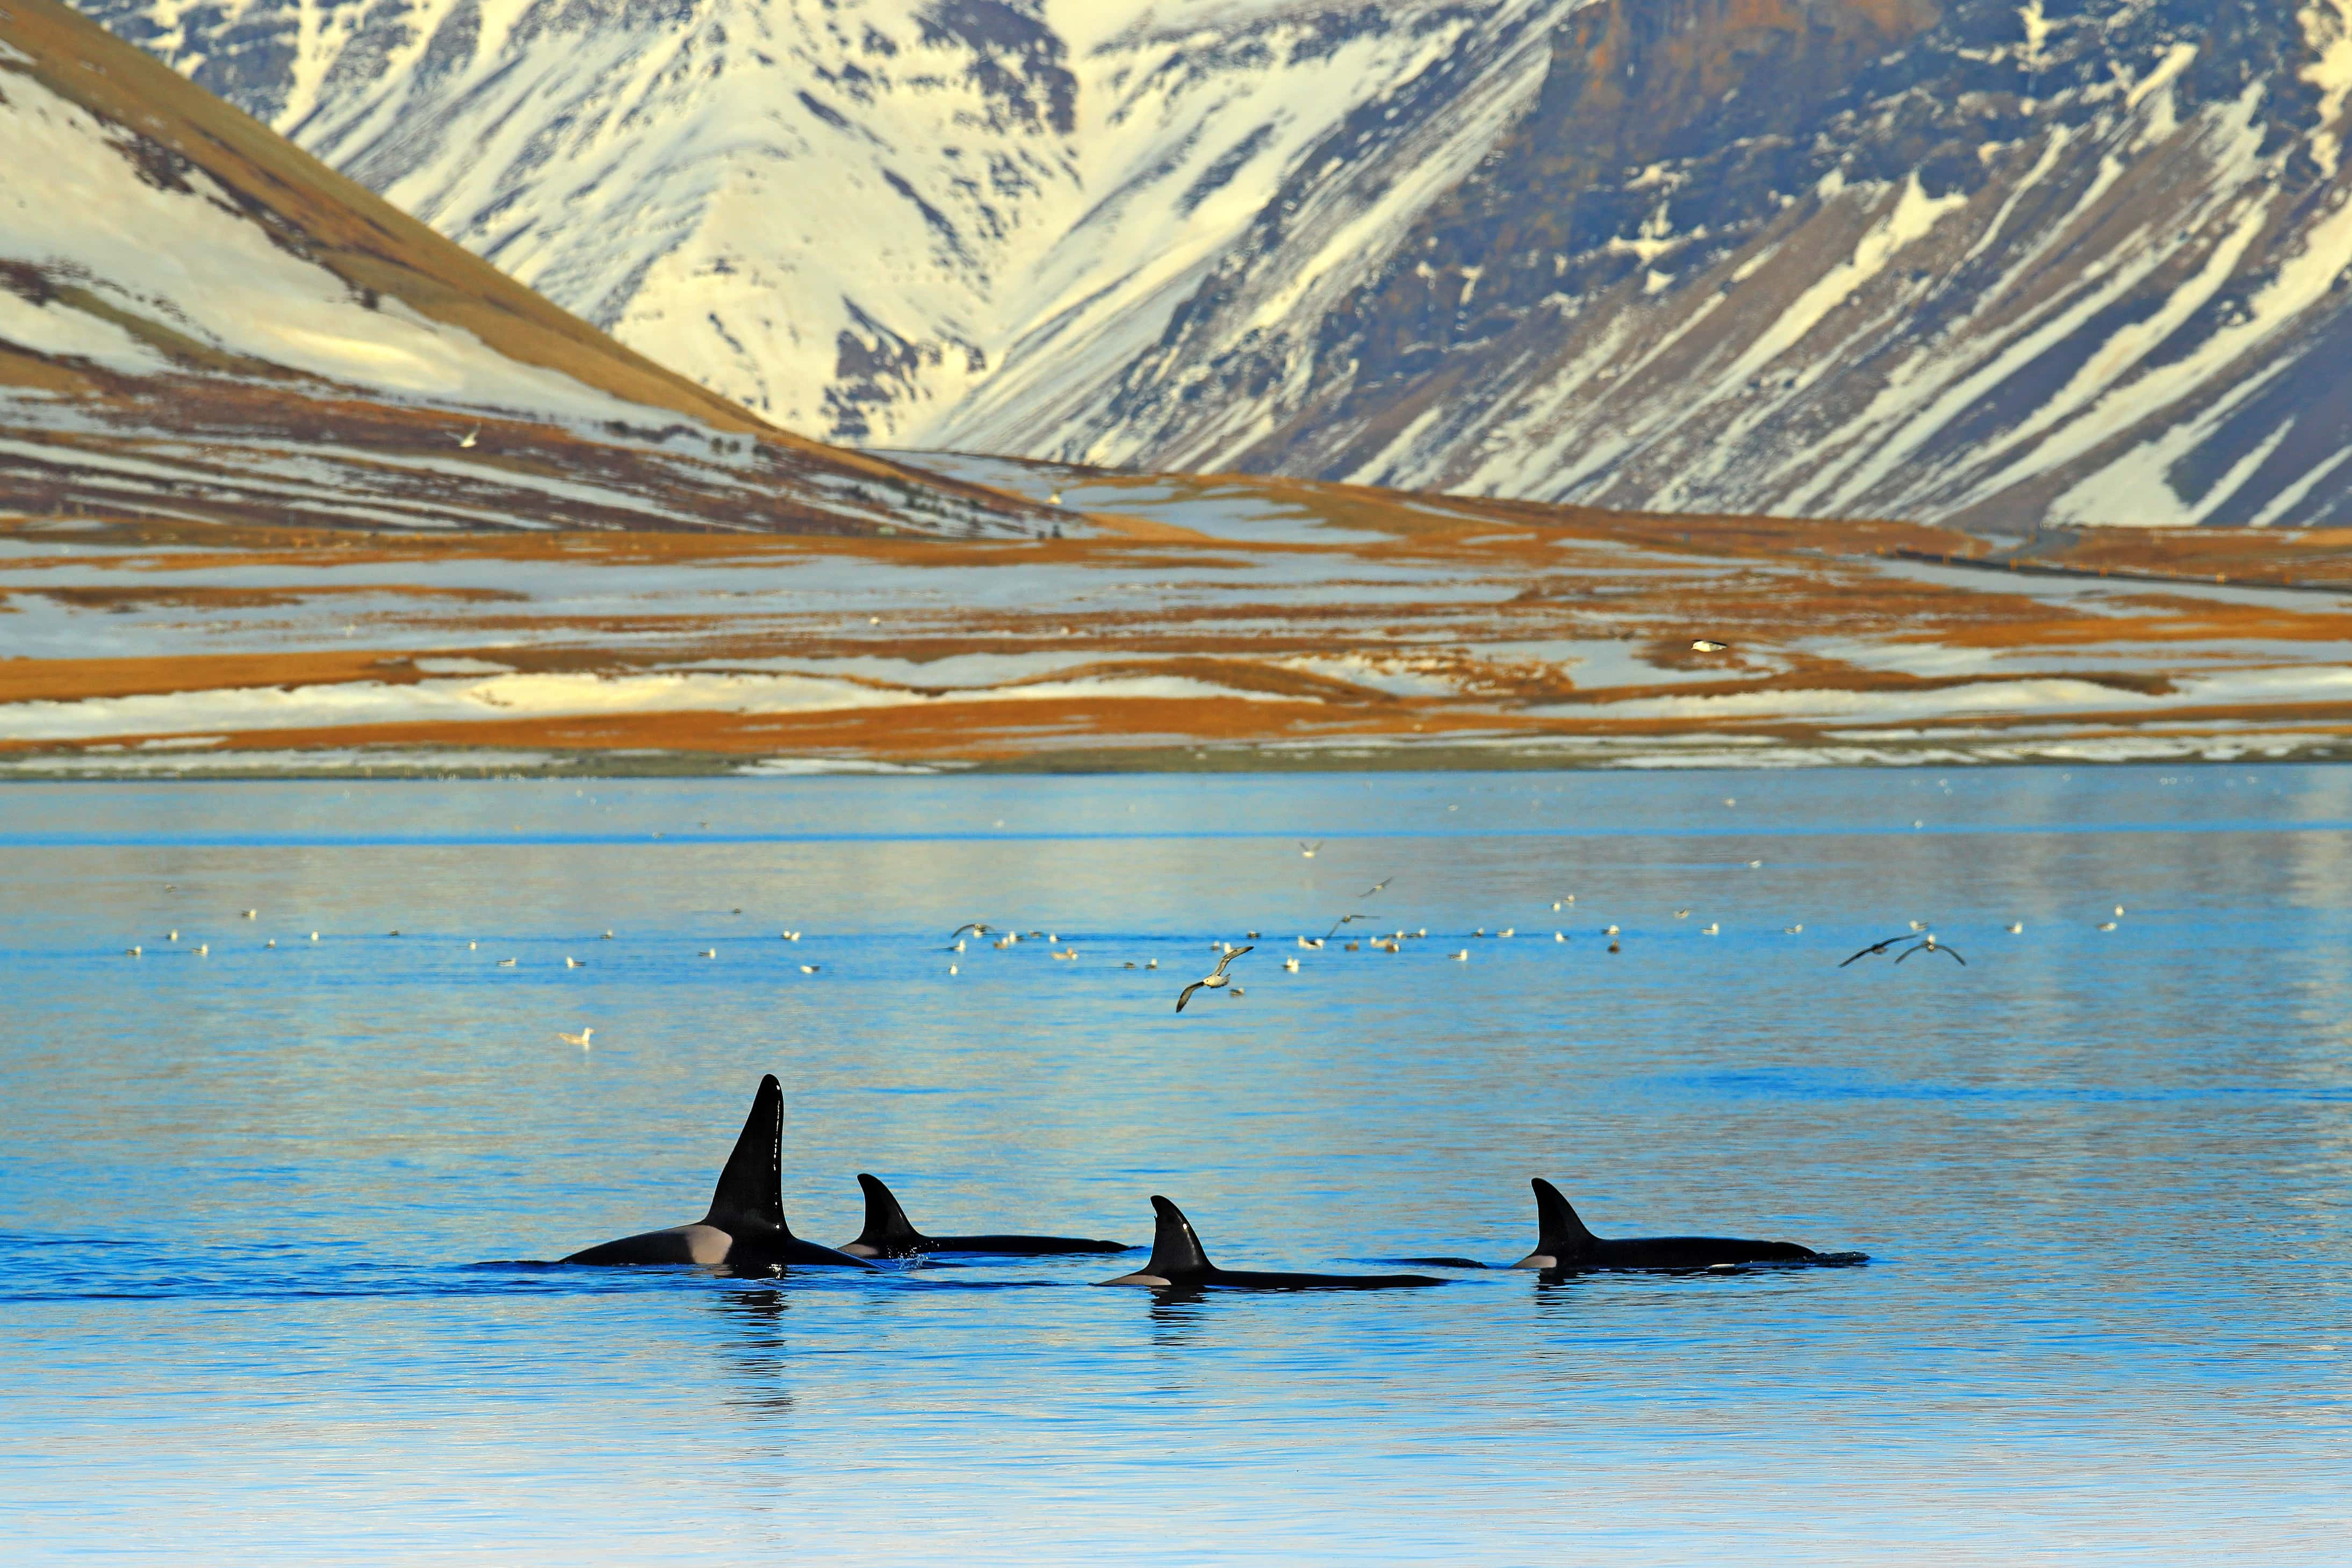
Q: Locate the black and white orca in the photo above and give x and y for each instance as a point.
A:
(1564, 1246)
(888, 1232)
(1179, 1263)
(745, 1228)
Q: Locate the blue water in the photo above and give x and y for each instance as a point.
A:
(260, 1209)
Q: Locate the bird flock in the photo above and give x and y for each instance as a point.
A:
(1918, 940)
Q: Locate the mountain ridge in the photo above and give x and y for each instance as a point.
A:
(2010, 266)
(200, 321)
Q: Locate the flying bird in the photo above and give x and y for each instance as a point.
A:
(977, 927)
(1343, 920)
(1308, 849)
(471, 437)
(1877, 947)
(1214, 981)
(1929, 944)
(1376, 886)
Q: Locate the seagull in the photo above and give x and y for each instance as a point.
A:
(1710, 928)
(580, 1039)
(795, 936)
(1506, 930)
(2119, 911)
(1609, 932)
(977, 927)
(954, 970)
(1876, 947)
(1152, 963)
(607, 937)
(955, 947)
(1376, 886)
(467, 440)
(1308, 849)
(1311, 943)
(1931, 945)
(1755, 865)
(1919, 925)
(1343, 920)
(203, 948)
(271, 942)
(708, 952)
(134, 951)
(811, 968)
(1682, 914)
(314, 936)
(1214, 981)
(1559, 936)
(170, 936)
(1708, 644)
(1129, 964)
(570, 961)
(2017, 928)
(506, 963)
(472, 945)
(1463, 956)
(253, 914)
(1289, 963)
(1792, 931)
(2107, 925)
(1068, 952)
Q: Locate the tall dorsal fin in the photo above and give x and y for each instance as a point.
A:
(888, 1228)
(1558, 1233)
(752, 1187)
(1175, 1250)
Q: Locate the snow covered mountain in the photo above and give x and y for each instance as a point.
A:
(201, 324)
(1976, 260)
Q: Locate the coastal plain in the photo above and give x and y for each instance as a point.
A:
(1160, 623)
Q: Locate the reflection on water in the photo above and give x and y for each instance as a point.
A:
(2102, 1176)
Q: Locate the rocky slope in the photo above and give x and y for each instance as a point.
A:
(199, 324)
(1970, 260)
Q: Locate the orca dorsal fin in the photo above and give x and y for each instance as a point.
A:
(888, 1228)
(1558, 1233)
(751, 1188)
(1175, 1250)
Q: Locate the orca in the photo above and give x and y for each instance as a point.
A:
(1179, 1263)
(1564, 1246)
(888, 1232)
(745, 1228)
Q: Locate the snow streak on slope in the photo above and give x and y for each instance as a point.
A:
(1960, 260)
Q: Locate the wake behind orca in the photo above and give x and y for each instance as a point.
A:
(1564, 1245)
(888, 1232)
(745, 1227)
(1178, 1262)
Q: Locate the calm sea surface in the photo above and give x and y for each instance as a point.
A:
(259, 1208)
